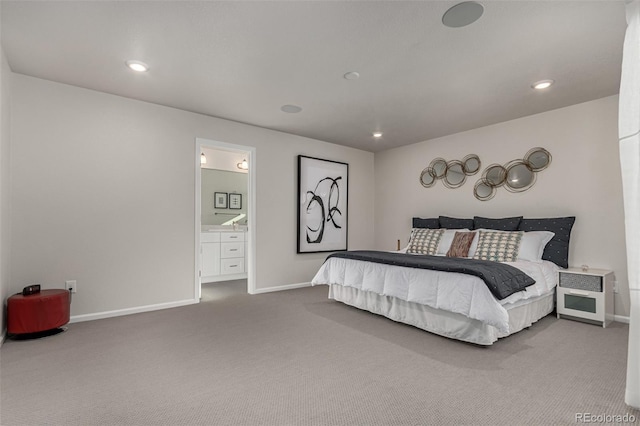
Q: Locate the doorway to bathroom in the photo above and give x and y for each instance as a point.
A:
(225, 214)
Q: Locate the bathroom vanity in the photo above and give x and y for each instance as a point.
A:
(222, 255)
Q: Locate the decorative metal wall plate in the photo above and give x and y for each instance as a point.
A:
(515, 176)
(495, 175)
(453, 173)
(538, 159)
(483, 190)
(427, 178)
(471, 164)
(520, 177)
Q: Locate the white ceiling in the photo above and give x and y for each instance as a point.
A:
(243, 60)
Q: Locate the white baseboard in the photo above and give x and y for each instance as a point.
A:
(280, 288)
(227, 277)
(620, 318)
(129, 311)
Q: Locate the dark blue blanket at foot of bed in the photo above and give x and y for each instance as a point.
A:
(501, 279)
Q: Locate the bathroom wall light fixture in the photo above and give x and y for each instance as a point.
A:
(244, 165)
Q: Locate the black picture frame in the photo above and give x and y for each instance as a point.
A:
(235, 201)
(323, 194)
(220, 200)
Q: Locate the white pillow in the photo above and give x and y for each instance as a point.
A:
(446, 240)
(533, 244)
(474, 244)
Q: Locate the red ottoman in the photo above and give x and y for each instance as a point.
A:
(37, 312)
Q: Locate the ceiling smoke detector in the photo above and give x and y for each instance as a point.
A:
(291, 109)
(352, 75)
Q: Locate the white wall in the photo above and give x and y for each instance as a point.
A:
(583, 181)
(88, 167)
(5, 176)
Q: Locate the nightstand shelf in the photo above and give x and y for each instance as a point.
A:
(586, 295)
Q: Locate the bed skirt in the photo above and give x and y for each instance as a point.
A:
(521, 314)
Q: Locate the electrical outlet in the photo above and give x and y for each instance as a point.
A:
(615, 287)
(71, 285)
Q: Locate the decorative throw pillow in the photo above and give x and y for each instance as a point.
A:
(498, 246)
(460, 244)
(504, 224)
(455, 223)
(425, 241)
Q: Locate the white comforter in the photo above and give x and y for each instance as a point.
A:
(460, 293)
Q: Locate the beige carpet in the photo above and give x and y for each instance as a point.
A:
(296, 358)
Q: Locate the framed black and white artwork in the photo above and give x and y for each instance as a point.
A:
(220, 200)
(322, 205)
(235, 201)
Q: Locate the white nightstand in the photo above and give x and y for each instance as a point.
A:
(586, 295)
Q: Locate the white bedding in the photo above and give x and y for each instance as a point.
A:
(460, 293)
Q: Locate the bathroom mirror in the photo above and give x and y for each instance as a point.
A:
(483, 191)
(471, 164)
(231, 185)
(454, 176)
(538, 159)
(427, 178)
(519, 176)
(495, 175)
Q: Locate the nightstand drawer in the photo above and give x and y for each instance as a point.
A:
(580, 281)
(581, 303)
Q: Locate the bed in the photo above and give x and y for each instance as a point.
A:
(431, 284)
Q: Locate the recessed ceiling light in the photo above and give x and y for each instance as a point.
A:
(352, 75)
(542, 84)
(291, 109)
(377, 134)
(137, 66)
(462, 14)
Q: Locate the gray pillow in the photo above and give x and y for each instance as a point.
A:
(431, 223)
(454, 223)
(557, 250)
(504, 224)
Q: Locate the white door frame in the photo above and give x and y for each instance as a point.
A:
(250, 151)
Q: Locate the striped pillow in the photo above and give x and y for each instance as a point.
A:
(425, 241)
(498, 246)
